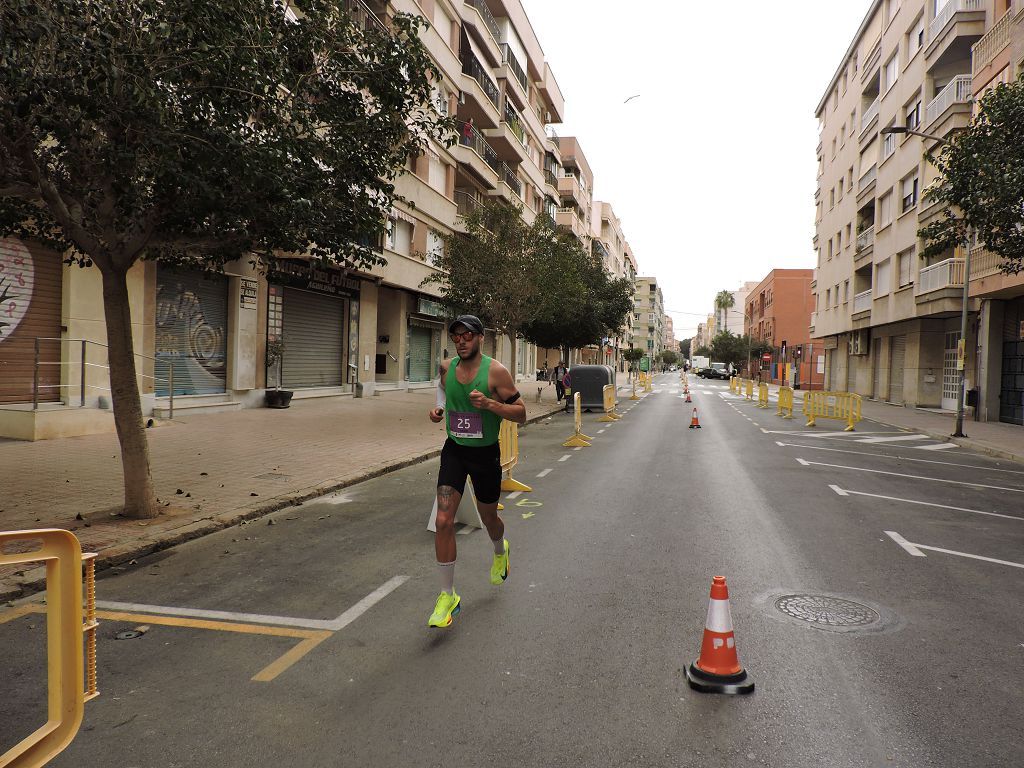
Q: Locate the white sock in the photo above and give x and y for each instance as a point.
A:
(447, 571)
(499, 546)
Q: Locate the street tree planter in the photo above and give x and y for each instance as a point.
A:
(276, 397)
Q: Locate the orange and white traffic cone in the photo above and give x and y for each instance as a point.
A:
(688, 397)
(718, 669)
(694, 421)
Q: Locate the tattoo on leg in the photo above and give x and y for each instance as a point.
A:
(445, 496)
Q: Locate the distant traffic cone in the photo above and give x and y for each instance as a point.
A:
(688, 399)
(694, 422)
(718, 669)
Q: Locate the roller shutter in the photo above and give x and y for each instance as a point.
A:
(314, 339)
(1011, 390)
(898, 361)
(851, 372)
(30, 308)
(191, 332)
(876, 358)
(420, 368)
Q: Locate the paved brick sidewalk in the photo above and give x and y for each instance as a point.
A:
(215, 470)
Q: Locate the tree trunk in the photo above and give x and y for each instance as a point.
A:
(139, 496)
(512, 357)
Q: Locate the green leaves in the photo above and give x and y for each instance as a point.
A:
(982, 181)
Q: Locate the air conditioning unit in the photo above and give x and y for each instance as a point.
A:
(859, 343)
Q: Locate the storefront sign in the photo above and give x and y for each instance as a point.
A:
(429, 307)
(831, 342)
(312, 277)
(247, 293)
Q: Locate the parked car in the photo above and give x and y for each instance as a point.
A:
(715, 371)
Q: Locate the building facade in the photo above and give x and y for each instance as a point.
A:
(649, 316)
(732, 319)
(887, 319)
(670, 335)
(778, 313)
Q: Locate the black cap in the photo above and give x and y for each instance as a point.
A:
(471, 323)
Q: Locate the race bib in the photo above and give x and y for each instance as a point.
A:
(466, 424)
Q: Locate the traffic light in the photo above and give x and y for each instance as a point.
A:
(783, 348)
(798, 352)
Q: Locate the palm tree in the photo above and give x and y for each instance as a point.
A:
(724, 300)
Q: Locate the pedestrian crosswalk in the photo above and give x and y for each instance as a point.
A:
(882, 439)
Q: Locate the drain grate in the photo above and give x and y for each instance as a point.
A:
(827, 611)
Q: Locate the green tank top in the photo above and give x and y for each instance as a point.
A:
(467, 425)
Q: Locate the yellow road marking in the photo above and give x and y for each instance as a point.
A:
(311, 638)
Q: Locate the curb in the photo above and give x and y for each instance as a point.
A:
(34, 580)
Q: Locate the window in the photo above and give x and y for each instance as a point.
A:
(849, 178)
(399, 237)
(832, 198)
(888, 146)
(846, 291)
(833, 149)
(836, 294)
(841, 182)
(828, 298)
(881, 287)
(844, 83)
(842, 135)
(912, 112)
(892, 71)
(906, 267)
(894, 7)
(885, 210)
(909, 192)
(839, 241)
(830, 249)
(849, 232)
(435, 246)
(915, 38)
(650, 317)
(437, 177)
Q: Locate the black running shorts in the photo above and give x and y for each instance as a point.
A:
(482, 464)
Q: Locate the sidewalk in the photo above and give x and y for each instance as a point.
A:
(1004, 441)
(216, 470)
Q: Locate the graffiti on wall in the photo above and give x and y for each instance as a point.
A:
(17, 281)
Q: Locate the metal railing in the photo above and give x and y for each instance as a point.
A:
(84, 364)
(992, 42)
(515, 123)
(862, 301)
(509, 58)
(946, 13)
(466, 202)
(471, 66)
(363, 16)
(489, 21)
(871, 60)
(945, 274)
(551, 178)
(550, 132)
(470, 137)
(869, 176)
(870, 114)
(958, 91)
(984, 262)
(509, 177)
(866, 238)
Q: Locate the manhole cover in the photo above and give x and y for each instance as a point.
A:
(827, 611)
(128, 634)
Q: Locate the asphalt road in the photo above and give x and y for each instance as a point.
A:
(578, 659)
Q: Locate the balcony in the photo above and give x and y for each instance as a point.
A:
(867, 179)
(997, 38)
(509, 177)
(814, 320)
(870, 116)
(482, 91)
(509, 60)
(467, 202)
(474, 152)
(569, 219)
(948, 11)
(862, 302)
(550, 178)
(872, 60)
(945, 274)
(984, 263)
(866, 239)
(958, 91)
(488, 18)
(569, 187)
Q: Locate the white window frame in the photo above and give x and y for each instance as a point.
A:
(894, 60)
(913, 180)
(905, 276)
(885, 210)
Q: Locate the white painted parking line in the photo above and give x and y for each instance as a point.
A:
(896, 439)
(545, 473)
(895, 457)
(514, 495)
(915, 549)
(578, 448)
(936, 447)
(333, 625)
(824, 433)
(806, 463)
(848, 492)
(566, 457)
(600, 431)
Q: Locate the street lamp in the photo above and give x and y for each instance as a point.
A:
(961, 358)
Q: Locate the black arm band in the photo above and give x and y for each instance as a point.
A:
(512, 399)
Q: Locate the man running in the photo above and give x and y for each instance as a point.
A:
(474, 394)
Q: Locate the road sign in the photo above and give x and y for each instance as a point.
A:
(645, 364)
(767, 357)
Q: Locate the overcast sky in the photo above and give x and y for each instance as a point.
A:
(712, 168)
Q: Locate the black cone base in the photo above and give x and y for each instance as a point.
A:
(695, 426)
(705, 682)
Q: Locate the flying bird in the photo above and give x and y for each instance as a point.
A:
(631, 98)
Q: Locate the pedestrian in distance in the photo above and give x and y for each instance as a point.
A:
(558, 376)
(475, 393)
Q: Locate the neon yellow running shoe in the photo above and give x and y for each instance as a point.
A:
(499, 567)
(446, 608)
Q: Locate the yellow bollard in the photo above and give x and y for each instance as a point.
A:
(578, 439)
(508, 439)
(762, 395)
(634, 396)
(67, 620)
(750, 389)
(609, 404)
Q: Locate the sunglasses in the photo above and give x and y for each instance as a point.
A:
(464, 336)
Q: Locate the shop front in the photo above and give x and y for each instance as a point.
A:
(314, 311)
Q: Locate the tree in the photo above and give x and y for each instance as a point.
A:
(493, 270)
(982, 181)
(633, 356)
(727, 347)
(197, 134)
(724, 300)
(684, 347)
(703, 351)
(669, 357)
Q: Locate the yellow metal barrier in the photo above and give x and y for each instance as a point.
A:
(649, 383)
(785, 407)
(578, 439)
(750, 389)
(609, 404)
(634, 396)
(508, 440)
(67, 666)
(842, 406)
(762, 395)
(732, 383)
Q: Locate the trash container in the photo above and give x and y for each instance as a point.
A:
(589, 381)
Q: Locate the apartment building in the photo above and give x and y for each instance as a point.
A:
(609, 245)
(649, 316)
(778, 313)
(731, 319)
(888, 320)
(670, 334)
(998, 57)
(345, 332)
(575, 190)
